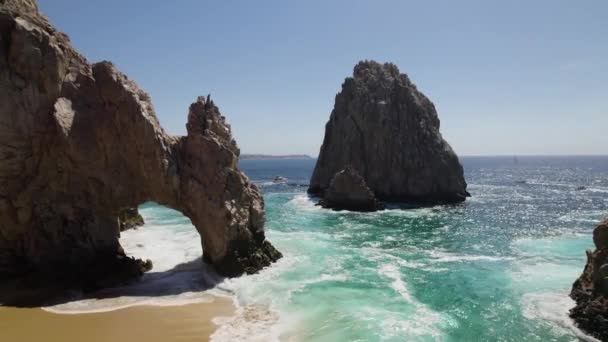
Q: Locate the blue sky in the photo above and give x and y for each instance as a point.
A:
(507, 77)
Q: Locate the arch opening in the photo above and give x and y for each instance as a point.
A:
(171, 244)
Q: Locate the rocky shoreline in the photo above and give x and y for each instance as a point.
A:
(590, 290)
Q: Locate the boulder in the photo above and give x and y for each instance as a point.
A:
(348, 191)
(387, 130)
(79, 142)
(590, 290)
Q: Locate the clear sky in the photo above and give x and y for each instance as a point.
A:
(507, 77)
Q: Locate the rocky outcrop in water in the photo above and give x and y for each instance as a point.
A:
(387, 130)
(348, 191)
(590, 290)
(80, 141)
(129, 218)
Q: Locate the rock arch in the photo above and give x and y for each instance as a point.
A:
(79, 142)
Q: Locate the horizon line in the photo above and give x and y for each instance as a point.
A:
(459, 155)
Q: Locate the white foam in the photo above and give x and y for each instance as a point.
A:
(422, 322)
(322, 278)
(392, 272)
(543, 273)
(383, 254)
(549, 183)
(304, 202)
(443, 256)
(576, 218)
(250, 323)
(189, 283)
(413, 213)
(597, 189)
(522, 196)
(178, 276)
(260, 300)
(106, 305)
(165, 246)
(553, 307)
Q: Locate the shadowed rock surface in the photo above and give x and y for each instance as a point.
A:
(129, 218)
(348, 191)
(590, 290)
(388, 131)
(80, 141)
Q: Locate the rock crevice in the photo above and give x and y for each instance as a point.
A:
(79, 142)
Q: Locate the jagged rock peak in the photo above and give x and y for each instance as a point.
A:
(389, 132)
(204, 117)
(79, 142)
(373, 70)
(21, 6)
(590, 290)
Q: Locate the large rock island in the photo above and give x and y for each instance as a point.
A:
(80, 142)
(385, 129)
(590, 290)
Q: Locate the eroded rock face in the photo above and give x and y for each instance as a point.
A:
(129, 218)
(590, 290)
(389, 132)
(80, 141)
(348, 191)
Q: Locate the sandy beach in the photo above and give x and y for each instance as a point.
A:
(191, 322)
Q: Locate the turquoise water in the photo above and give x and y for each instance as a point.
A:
(498, 267)
(495, 268)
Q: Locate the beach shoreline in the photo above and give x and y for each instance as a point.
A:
(188, 322)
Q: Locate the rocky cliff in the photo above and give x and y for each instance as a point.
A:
(79, 142)
(590, 290)
(388, 131)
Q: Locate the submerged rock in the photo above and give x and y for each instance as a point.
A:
(348, 191)
(387, 130)
(79, 142)
(590, 290)
(129, 218)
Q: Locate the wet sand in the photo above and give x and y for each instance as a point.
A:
(191, 322)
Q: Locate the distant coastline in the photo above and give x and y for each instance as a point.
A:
(268, 156)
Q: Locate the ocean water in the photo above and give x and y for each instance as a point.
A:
(495, 268)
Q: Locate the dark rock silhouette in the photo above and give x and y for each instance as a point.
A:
(129, 218)
(388, 131)
(590, 290)
(79, 142)
(348, 191)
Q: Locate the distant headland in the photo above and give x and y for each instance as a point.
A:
(268, 156)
